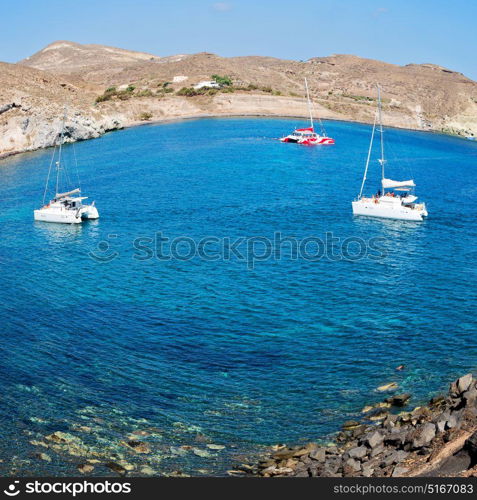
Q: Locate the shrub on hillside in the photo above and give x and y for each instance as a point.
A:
(187, 92)
(164, 88)
(108, 94)
(222, 80)
(124, 95)
(112, 92)
(145, 116)
(144, 93)
(102, 98)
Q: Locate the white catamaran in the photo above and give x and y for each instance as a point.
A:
(64, 207)
(396, 200)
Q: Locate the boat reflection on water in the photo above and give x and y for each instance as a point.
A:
(60, 233)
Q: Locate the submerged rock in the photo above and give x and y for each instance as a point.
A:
(85, 468)
(392, 386)
(35, 442)
(140, 432)
(147, 471)
(201, 453)
(350, 424)
(378, 414)
(115, 467)
(61, 437)
(139, 446)
(178, 451)
(126, 465)
(217, 447)
(84, 428)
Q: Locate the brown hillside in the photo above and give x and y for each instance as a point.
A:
(418, 96)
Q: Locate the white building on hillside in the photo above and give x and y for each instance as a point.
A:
(211, 84)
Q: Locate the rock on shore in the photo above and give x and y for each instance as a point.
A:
(433, 440)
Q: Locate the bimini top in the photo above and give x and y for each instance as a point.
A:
(308, 129)
(390, 184)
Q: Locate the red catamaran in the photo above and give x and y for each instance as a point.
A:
(308, 136)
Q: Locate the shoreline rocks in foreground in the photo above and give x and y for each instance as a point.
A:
(439, 439)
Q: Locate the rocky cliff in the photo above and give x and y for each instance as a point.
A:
(105, 88)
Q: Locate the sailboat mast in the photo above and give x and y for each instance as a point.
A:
(309, 103)
(382, 160)
(58, 163)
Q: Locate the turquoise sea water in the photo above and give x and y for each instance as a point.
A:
(198, 351)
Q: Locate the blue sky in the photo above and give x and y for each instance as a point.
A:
(398, 31)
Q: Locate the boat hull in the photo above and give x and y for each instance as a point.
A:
(320, 141)
(289, 140)
(89, 212)
(387, 211)
(64, 217)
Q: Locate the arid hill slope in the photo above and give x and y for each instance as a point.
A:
(417, 96)
(32, 104)
(71, 57)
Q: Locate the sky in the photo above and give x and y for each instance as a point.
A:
(395, 31)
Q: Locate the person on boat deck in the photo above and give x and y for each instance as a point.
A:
(378, 194)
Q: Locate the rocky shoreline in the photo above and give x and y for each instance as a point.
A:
(439, 439)
(27, 129)
(389, 440)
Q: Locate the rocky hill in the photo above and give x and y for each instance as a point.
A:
(32, 104)
(107, 88)
(75, 58)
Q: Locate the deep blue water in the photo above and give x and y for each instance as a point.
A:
(221, 351)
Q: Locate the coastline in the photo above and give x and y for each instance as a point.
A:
(199, 116)
(438, 439)
(434, 440)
